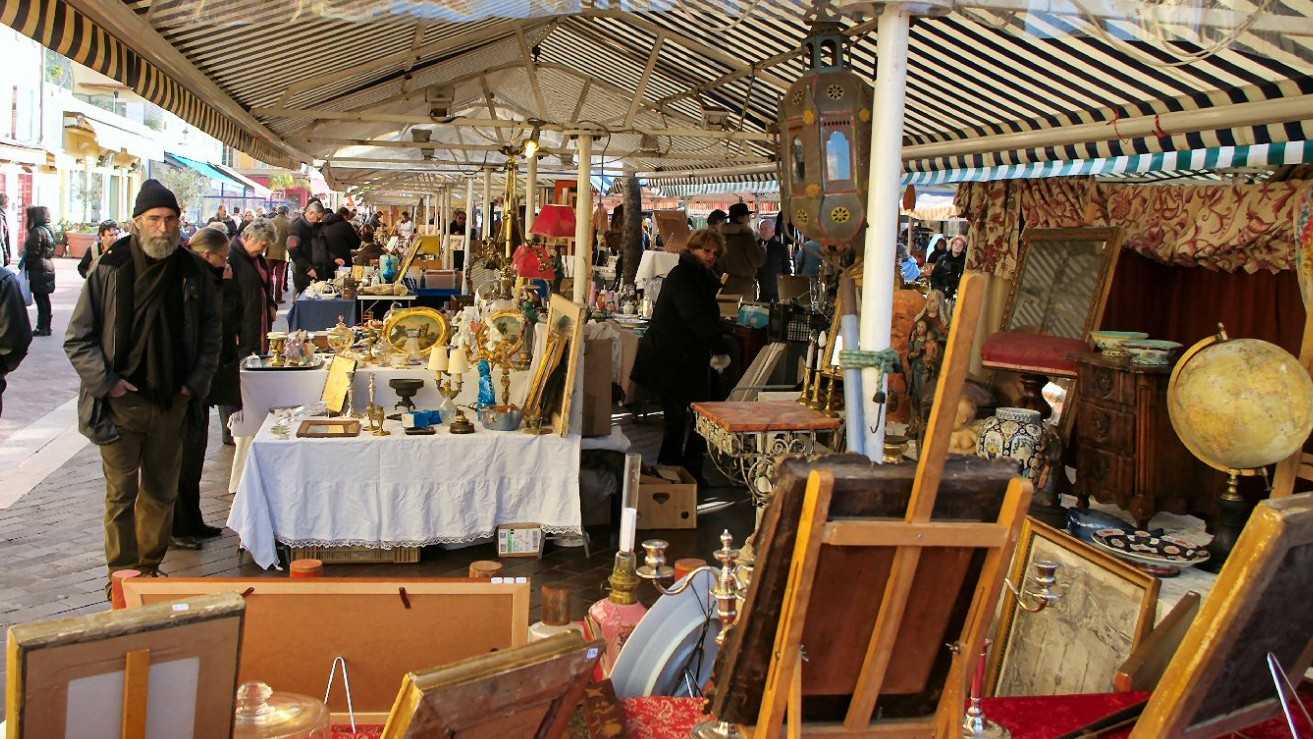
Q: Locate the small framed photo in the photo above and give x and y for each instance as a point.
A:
(520, 540)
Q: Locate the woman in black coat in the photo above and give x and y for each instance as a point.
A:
(682, 343)
(949, 268)
(341, 239)
(38, 253)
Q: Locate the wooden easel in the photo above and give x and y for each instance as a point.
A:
(909, 537)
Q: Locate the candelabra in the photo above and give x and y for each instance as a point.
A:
(729, 592)
(1036, 594)
(1039, 587)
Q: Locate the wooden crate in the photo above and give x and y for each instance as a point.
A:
(358, 555)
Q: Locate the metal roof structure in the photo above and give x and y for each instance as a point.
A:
(350, 85)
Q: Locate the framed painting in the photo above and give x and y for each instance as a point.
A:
(1077, 644)
(527, 691)
(1218, 680)
(340, 373)
(166, 670)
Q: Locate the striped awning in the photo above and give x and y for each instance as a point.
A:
(204, 169)
(971, 74)
(1195, 163)
(687, 187)
(56, 25)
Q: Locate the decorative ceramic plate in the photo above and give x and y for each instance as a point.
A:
(1143, 547)
(667, 640)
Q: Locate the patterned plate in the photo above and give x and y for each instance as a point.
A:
(1141, 546)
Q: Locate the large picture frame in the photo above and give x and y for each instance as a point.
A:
(527, 691)
(564, 343)
(1218, 680)
(165, 670)
(1062, 281)
(382, 627)
(1106, 610)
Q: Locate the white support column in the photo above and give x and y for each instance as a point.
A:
(447, 260)
(469, 222)
(583, 221)
(882, 208)
(530, 193)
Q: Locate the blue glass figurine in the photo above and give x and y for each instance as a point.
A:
(486, 395)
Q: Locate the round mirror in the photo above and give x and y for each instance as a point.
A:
(507, 328)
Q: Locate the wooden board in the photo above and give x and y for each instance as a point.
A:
(295, 628)
(528, 691)
(103, 661)
(328, 428)
(972, 490)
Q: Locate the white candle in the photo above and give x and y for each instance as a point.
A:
(438, 358)
(458, 364)
(628, 525)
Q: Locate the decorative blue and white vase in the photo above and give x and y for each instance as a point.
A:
(1020, 434)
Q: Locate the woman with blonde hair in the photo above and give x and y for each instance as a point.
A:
(682, 345)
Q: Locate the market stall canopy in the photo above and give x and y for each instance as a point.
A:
(685, 85)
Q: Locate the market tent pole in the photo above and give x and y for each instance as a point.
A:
(882, 210)
(530, 193)
(583, 221)
(443, 219)
(469, 223)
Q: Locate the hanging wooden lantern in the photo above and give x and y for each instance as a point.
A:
(825, 142)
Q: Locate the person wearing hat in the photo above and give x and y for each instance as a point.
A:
(144, 338)
(743, 255)
(716, 218)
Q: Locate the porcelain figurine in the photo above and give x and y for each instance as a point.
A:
(925, 353)
(963, 439)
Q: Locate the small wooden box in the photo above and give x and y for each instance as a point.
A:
(663, 504)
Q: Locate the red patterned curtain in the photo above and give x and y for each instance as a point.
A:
(1231, 228)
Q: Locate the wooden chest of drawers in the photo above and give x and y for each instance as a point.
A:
(1126, 450)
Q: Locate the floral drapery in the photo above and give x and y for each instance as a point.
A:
(1222, 227)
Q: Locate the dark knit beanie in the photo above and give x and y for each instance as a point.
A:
(154, 195)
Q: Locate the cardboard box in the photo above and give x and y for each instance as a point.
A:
(597, 387)
(669, 501)
(441, 279)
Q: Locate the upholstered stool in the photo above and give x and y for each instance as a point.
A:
(1036, 358)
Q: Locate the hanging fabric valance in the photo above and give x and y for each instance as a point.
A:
(59, 27)
(1222, 227)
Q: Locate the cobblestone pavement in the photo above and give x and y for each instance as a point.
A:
(45, 379)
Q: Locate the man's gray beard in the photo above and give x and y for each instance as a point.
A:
(158, 247)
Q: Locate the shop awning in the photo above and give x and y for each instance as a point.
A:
(206, 170)
(1195, 160)
(258, 190)
(115, 139)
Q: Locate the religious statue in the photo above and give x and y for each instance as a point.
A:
(925, 353)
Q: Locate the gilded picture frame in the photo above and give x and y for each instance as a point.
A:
(341, 371)
(1218, 681)
(172, 667)
(1107, 608)
(431, 324)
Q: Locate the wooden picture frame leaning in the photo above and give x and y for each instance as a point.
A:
(384, 628)
(1107, 609)
(155, 666)
(1218, 680)
(341, 371)
(567, 317)
(530, 690)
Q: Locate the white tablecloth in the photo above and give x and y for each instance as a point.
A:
(402, 490)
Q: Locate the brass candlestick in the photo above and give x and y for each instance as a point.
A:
(375, 413)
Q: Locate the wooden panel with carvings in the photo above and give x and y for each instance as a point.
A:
(1106, 427)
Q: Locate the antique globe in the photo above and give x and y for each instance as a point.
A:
(1239, 404)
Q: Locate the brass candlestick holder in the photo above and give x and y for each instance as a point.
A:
(374, 413)
(450, 388)
(726, 592)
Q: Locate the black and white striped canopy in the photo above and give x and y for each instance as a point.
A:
(971, 74)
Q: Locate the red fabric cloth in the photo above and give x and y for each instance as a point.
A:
(1043, 354)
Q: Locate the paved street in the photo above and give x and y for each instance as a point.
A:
(45, 380)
